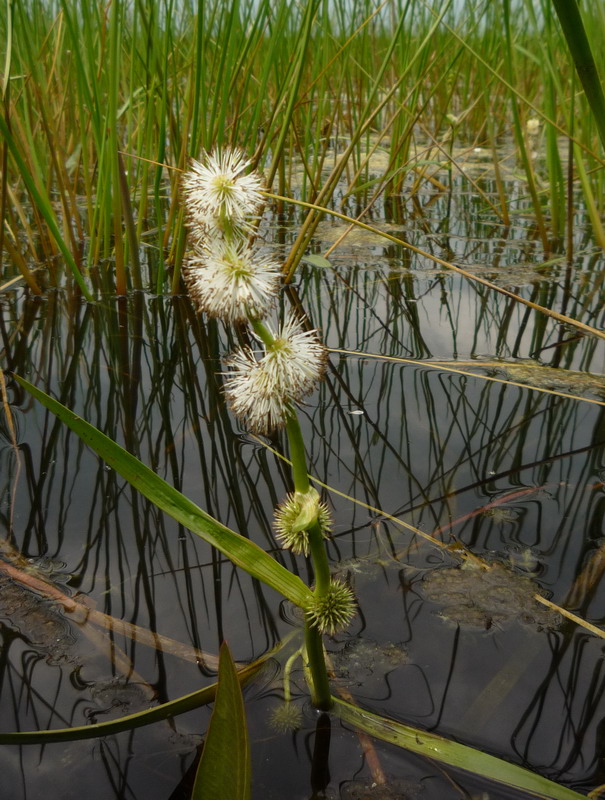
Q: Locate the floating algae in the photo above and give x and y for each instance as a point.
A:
(531, 373)
(37, 621)
(361, 658)
(485, 599)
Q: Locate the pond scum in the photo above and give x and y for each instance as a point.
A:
(144, 148)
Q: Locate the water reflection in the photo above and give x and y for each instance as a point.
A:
(513, 474)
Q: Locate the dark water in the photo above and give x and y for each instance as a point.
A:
(514, 474)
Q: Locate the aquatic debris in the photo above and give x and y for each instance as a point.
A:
(530, 372)
(33, 618)
(524, 559)
(500, 515)
(487, 599)
(117, 694)
(361, 658)
(393, 790)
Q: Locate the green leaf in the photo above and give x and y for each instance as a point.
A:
(244, 553)
(173, 708)
(452, 753)
(316, 260)
(574, 31)
(224, 769)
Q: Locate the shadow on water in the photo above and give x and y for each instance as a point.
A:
(512, 473)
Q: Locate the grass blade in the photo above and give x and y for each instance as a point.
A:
(579, 47)
(451, 753)
(44, 206)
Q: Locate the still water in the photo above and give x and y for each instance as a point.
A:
(445, 435)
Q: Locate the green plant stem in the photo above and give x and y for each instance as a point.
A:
(287, 672)
(320, 686)
(319, 557)
(297, 455)
(263, 333)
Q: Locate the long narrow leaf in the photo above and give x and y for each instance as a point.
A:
(244, 553)
(173, 708)
(224, 769)
(572, 24)
(452, 753)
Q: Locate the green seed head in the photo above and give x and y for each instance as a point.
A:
(285, 717)
(295, 515)
(333, 611)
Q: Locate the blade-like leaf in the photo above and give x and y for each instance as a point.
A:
(237, 548)
(452, 753)
(572, 24)
(173, 708)
(224, 769)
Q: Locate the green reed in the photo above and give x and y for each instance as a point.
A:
(101, 109)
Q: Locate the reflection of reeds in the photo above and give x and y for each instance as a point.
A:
(429, 446)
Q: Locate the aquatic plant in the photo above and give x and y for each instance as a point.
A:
(111, 198)
(302, 521)
(228, 280)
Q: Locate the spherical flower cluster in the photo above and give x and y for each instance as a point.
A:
(286, 717)
(262, 393)
(293, 518)
(216, 190)
(230, 280)
(252, 395)
(332, 611)
(297, 359)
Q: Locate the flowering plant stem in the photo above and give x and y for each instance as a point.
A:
(227, 278)
(313, 640)
(320, 688)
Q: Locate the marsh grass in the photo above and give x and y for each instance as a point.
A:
(103, 105)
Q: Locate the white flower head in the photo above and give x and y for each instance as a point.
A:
(262, 393)
(215, 189)
(252, 394)
(297, 360)
(231, 280)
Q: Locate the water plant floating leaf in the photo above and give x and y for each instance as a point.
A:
(241, 551)
(317, 261)
(224, 769)
(452, 753)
